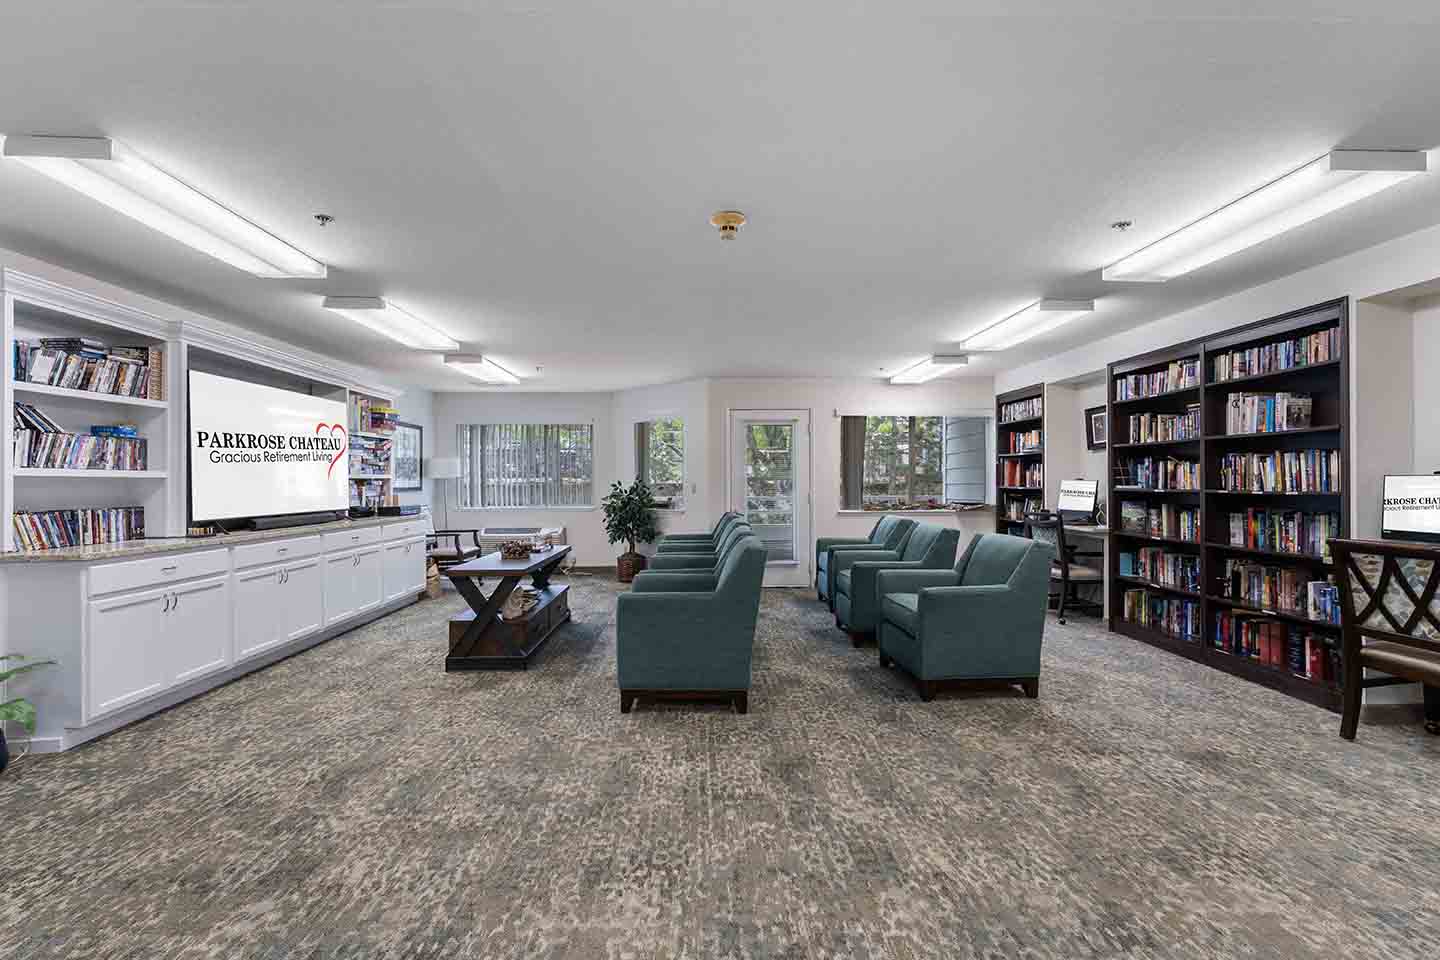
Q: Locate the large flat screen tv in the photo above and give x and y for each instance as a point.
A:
(1410, 508)
(258, 451)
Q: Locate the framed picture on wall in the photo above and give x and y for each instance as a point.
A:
(1097, 428)
(409, 450)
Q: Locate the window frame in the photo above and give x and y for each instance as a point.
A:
(985, 415)
(635, 432)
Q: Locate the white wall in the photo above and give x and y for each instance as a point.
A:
(1066, 453)
(418, 407)
(973, 396)
(1426, 381)
(584, 525)
(690, 401)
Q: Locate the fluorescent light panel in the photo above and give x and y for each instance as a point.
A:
(930, 368)
(1042, 316)
(108, 171)
(481, 368)
(1336, 180)
(384, 317)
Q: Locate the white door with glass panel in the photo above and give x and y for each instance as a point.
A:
(770, 487)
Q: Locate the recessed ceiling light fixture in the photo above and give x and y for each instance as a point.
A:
(1042, 316)
(481, 368)
(1322, 186)
(112, 173)
(383, 317)
(930, 368)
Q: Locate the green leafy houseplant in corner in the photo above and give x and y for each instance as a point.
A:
(19, 710)
(630, 519)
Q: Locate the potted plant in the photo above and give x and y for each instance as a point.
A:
(20, 710)
(630, 519)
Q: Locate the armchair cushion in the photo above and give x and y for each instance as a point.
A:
(902, 609)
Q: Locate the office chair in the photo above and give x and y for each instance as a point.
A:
(1050, 528)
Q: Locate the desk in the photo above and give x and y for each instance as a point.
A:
(1088, 531)
(1094, 532)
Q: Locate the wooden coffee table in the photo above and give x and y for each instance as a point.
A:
(481, 639)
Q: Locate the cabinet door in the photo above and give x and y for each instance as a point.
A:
(415, 566)
(340, 592)
(126, 652)
(369, 579)
(303, 599)
(257, 611)
(396, 570)
(197, 631)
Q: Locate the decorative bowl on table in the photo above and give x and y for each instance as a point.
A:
(515, 550)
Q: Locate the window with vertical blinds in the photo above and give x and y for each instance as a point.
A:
(526, 465)
(900, 463)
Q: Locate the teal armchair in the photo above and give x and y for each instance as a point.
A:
(983, 620)
(699, 543)
(857, 591)
(700, 556)
(692, 644)
(890, 533)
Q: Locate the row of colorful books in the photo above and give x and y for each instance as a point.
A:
(1017, 508)
(1164, 567)
(1161, 520)
(369, 457)
(1020, 410)
(1163, 473)
(1179, 375)
(1175, 616)
(1024, 441)
(41, 442)
(1284, 531)
(83, 363)
(1157, 427)
(1301, 651)
(1319, 347)
(1018, 473)
(1281, 589)
(1296, 471)
(52, 529)
(372, 416)
(1267, 412)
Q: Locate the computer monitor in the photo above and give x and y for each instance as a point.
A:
(1076, 503)
(1410, 508)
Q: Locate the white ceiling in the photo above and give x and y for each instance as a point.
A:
(535, 176)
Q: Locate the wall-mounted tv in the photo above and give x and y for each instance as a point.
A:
(260, 451)
(1410, 508)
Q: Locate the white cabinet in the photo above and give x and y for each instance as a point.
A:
(404, 568)
(197, 629)
(125, 661)
(341, 598)
(369, 579)
(145, 642)
(274, 605)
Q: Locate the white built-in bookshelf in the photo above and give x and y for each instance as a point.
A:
(372, 460)
(36, 308)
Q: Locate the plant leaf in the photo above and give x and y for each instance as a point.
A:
(26, 668)
(21, 711)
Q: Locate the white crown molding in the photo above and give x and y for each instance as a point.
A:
(55, 296)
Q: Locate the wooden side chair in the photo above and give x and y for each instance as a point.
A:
(1064, 570)
(1390, 617)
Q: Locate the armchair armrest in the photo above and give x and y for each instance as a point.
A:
(865, 574)
(994, 630)
(684, 546)
(457, 534)
(975, 601)
(683, 561)
(670, 581)
(844, 559)
(824, 544)
(897, 580)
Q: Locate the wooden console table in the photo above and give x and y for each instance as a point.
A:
(481, 639)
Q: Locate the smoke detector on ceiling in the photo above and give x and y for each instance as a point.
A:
(728, 222)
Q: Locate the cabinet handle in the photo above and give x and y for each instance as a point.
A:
(169, 569)
(355, 537)
(167, 603)
(283, 550)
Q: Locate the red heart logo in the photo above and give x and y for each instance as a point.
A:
(332, 427)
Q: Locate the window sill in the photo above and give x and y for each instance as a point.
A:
(569, 509)
(946, 511)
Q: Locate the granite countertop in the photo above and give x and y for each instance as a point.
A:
(134, 549)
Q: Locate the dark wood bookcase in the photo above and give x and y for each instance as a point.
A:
(1008, 457)
(1327, 384)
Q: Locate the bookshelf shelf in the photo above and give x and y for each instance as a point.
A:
(1275, 374)
(1022, 422)
(59, 473)
(1017, 456)
(1272, 554)
(43, 389)
(1326, 384)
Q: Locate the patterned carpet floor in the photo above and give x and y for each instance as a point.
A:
(355, 801)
